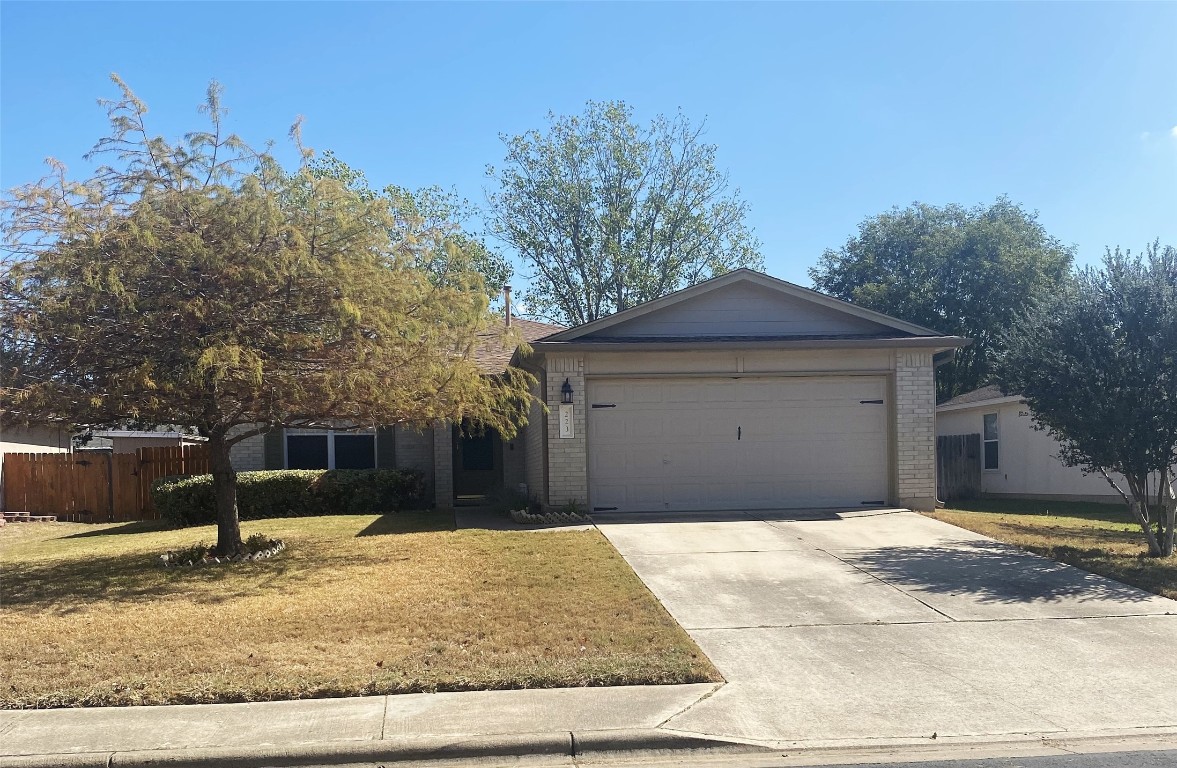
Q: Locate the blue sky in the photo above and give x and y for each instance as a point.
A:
(823, 114)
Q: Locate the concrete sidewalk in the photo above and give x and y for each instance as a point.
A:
(438, 718)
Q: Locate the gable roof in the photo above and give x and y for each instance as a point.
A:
(494, 349)
(889, 328)
(743, 275)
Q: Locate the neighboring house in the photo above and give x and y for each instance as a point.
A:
(130, 440)
(1018, 461)
(741, 392)
(38, 438)
(50, 438)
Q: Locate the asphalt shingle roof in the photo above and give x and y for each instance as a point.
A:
(493, 350)
(990, 392)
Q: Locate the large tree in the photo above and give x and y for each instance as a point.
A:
(1097, 364)
(963, 271)
(196, 282)
(607, 214)
(432, 225)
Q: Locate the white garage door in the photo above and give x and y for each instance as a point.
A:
(749, 443)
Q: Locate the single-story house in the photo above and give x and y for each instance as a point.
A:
(131, 440)
(34, 438)
(741, 392)
(1018, 461)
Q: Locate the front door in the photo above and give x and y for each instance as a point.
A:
(478, 462)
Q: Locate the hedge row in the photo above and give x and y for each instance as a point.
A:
(292, 493)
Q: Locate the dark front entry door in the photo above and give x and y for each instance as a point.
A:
(478, 462)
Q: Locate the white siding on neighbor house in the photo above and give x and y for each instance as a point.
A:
(133, 444)
(41, 439)
(744, 309)
(1028, 463)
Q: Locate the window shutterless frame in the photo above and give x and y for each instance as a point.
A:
(991, 455)
(331, 450)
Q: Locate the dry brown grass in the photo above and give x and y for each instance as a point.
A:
(356, 605)
(1100, 538)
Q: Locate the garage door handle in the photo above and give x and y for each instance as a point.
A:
(739, 432)
(604, 405)
(871, 402)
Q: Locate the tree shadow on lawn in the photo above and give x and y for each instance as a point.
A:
(68, 586)
(1085, 510)
(990, 572)
(1070, 535)
(138, 526)
(425, 521)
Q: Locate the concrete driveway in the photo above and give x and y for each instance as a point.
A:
(889, 625)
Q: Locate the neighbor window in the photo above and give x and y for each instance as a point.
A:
(990, 436)
(331, 450)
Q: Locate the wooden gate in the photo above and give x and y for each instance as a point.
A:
(95, 486)
(958, 466)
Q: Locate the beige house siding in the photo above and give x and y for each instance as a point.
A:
(742, 309)
(911, 395)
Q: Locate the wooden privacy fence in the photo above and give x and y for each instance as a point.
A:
(958, 466)
(95, 486)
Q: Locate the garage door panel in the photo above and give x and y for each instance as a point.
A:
(719, 392)
(737, 443)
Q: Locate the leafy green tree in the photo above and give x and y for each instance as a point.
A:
(607, 214)
(198, 283)
(1097, 364)
(431, 224)
(962, 271)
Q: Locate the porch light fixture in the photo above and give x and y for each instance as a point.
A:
(566, 393)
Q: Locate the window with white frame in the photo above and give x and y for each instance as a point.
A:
(990, 437)
(331, 450)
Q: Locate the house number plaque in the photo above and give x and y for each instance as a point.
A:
(567, 428)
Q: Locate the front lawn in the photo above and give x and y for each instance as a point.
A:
(356, 605)
(1100, 538)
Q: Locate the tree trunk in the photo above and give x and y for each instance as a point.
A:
(1168, 514)
(225, 494)
(1137, 501)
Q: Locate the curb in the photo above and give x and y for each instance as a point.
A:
(413, 749)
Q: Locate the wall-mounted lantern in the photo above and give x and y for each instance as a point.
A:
(566, 393)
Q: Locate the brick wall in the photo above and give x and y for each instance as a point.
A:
(443, 466)
(567, 457)
(414, 450)
(248, 455)
(915, 429)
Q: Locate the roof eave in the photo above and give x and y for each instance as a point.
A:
(1004, 400)
(936, 343)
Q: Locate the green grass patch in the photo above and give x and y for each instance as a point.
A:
(356, 605)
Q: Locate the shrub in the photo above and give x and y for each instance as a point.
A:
(188, 501)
